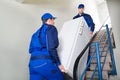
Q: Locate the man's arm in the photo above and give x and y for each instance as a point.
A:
(92, 25)
(52, 43)
(77, 16)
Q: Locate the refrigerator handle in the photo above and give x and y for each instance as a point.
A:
(81, 27)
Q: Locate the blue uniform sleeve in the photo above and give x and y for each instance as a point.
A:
(91, 25)
(77, 16)
(52, 43)
(74, 17)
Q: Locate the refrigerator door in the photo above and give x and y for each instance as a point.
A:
(73, 38)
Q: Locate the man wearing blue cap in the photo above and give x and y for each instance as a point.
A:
(44, 62)
(87, 18)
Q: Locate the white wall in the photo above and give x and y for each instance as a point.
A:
(103, 12)
(17, 23)
(114, 10)
(15, 31)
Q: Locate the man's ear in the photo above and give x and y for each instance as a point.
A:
(48, 21)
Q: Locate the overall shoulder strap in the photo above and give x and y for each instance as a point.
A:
(40, 38)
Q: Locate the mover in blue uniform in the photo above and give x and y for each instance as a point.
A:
(44, 62)
(87, 18)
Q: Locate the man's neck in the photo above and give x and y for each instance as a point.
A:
(80, 14)
(48, 24)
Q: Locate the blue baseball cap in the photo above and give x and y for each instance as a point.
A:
(47, 16)
(81, 6)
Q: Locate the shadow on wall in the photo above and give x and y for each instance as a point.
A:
(45, 2)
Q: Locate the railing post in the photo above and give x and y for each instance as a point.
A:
(98, 60)
(114, 71)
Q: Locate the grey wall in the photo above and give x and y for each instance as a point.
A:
(114, 10)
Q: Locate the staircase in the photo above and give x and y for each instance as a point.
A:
(105, 53)
(101, 62)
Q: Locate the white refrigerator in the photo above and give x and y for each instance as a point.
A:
(73, 38)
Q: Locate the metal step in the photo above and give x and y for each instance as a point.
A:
(105, 68)
(98, 37)
(100, 46)
(103, 54)
(89, 74)
(108, 60)
(100, 49)
(98, 40)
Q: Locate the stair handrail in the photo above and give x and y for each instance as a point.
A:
(114, 70)
(83, 51)
(100, 65)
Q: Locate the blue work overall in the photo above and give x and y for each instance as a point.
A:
(44, 60)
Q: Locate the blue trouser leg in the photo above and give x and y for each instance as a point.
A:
(34, 76)
(88, 57)
(46, 70)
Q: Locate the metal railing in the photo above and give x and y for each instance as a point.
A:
(79, 57)
(114, 70)
(83, 51)
(97, 53)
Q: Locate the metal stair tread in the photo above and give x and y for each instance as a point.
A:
(108, 59)
(100, 49)
(105, 68)
(89, 74)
